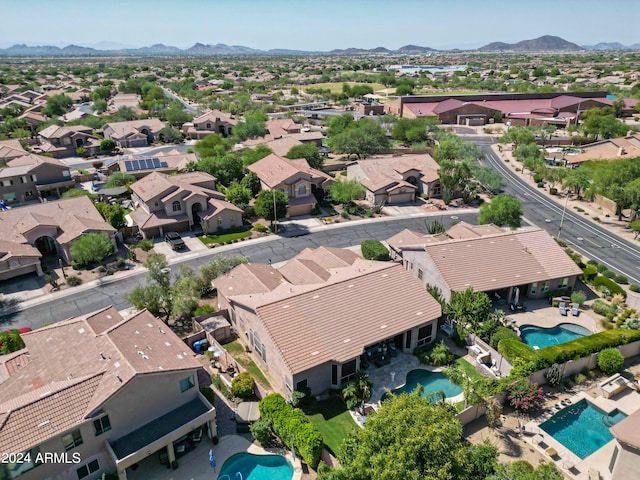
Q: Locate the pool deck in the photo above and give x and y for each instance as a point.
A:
(195, 465)
(570, 464)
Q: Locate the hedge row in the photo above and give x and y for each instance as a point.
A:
(293, 427)
(517, 352)
(612, 286)
(374, 250)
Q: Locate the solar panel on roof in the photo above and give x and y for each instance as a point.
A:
(128, 166)
(156, 163)
(164, 164)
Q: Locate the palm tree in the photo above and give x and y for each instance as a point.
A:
(469, 386)
(350, 395)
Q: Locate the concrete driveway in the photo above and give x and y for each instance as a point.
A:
(193, 244)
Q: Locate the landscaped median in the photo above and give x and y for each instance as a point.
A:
(225, 238)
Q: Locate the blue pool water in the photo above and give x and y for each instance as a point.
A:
(432, 382)
(582, 428)
(256, 467)
(544, 337)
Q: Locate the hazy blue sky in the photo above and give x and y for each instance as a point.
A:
(315, 25)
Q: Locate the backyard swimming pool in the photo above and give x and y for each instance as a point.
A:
(256, 467)
(431, 381)
(540, 337)
(582, 428)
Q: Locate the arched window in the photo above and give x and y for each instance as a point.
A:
(176, 206)
(302, 190)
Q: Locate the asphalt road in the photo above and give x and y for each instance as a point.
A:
(276, 249)
(582, 235)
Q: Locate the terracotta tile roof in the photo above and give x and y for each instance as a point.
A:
(11, 149)
(274, 170)
(12, 362)
(55, 131)
(72, 217)
(610, 149)
(11, 249)
(329, 257)
(124, 129)
(157, 183)
(32, 160)
(387, 173)
(389, 301)
(156, 219)
(249, 278)
(215, 115)
(407, 238)
(464, 230)
(627, 431)
(525, 257)
(78, 364)
(280, 146)
(299, 271)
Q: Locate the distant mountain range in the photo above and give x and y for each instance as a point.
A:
(544, 43)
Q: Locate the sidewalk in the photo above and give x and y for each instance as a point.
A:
(590, 209)
(21, 301)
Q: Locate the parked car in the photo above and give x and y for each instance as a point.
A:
(175, 240)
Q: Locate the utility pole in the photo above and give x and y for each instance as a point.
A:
(564, 210)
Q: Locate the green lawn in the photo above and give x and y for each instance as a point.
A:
(237, 350)
(225, 237)
(334, 422)
(467, 368)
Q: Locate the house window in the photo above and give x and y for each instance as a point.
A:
(258, 346)
(301, 384)
(545, 286)
(72, 440)
(187, 383)
(563, 282)
(424, 334)
(23, 179)
(348, 371)
(302, 190)
(7, 183)
(66, 173)
(334, 374)
(88, 469)
(66, 141)
(420, 274)
(288, 383)
(176, 206)
(534, 288)
(219, 221)
(102, 425)
(208, 126)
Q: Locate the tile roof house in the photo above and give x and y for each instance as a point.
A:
(394, 180)
(293, 177)
(64, 141)
(280, 129)
(609, 149)
(530, 259)
(142, 165)
(45, 228)
(625, 455)
(214, 121)
(311, 320)
(135, 133)
(31, 177)
(181, 202)
(106, 389)
(10, 149)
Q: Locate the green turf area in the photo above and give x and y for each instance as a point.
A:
(236, 349)
(225, 237)
(334, 422)
(467, 368)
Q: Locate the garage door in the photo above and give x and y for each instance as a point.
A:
(400, 198)
(297, 210)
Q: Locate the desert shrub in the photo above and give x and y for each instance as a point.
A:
(579, 378)
(121, 263)
(91, 248)
(602, 308)
(242, 385)
(73, 281)
(554, 375)
(258, 227)
(610, 361)
(553, 191)
(621, 279)
(203, 310)
(502, 333)
(609, 284)
(609, 273)
(374, 250)
(293, 428)
(601, 268)
(634, 287)
(145, 245)
(589, 273)
(262, 431)
(578, 297)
